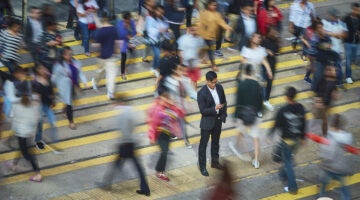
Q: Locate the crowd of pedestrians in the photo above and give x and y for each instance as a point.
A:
(252, 27)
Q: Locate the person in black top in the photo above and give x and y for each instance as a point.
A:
(168, 62)
(352, 45)
(42, 86)
(326, 92)
(290, 119)
(272, 45)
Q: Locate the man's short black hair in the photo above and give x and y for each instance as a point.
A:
(290, 92)
(33, 8)
(355, 5)
(210, 75)
(247, 3)
(126, 15)
(167, 45)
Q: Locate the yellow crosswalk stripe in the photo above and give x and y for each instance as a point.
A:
(142, 151)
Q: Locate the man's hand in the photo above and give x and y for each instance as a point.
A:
(219, 106)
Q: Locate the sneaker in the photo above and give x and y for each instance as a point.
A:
(40, 145)
(163, 177)
(349, 80)
(218, 53)
(110, 95)
(307, 80)
(259, 114)
(174, 138)
(244, 157)
(188, 145)
(88, 54)
(286, 189)
(268, 106)
(232, 49)
(155, 72)
(256, 164)
(94, 86)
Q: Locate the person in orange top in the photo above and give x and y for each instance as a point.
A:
(209, 23)
(268, 15)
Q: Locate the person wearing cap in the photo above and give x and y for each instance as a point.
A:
(352, 44)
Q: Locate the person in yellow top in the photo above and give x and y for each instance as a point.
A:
(209, 23)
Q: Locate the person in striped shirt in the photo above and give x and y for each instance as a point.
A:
(10, 43)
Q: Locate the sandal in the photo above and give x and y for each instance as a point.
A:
(35, 179)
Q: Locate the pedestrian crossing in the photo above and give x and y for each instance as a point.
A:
(289, 72)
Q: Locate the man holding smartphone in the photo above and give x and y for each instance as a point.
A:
(212, 106)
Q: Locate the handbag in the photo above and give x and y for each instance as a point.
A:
(276, 153)
(247, 114)
(92, 26)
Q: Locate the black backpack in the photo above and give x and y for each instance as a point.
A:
(248, 115)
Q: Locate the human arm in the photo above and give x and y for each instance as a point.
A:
(202, 100)
(267, 67)
(292, 18)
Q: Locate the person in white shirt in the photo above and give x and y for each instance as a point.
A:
(255, 55)
(86, 11)
(190, 45)
(301, 14)
(336, 29)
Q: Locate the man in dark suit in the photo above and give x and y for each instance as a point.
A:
(212, 106)
(246, 24)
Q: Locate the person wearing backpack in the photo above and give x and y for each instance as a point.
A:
(249, 101)
(290, 119)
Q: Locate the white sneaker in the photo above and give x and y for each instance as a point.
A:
(110, 96)
(349, 80)
(256, 164)
(244, 157)
(268, 106)
(259, 114)
(155, 72)
(94, 86)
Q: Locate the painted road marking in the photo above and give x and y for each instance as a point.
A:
(143, 151)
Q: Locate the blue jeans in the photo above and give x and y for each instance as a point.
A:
(85, 36)
(350, 55)
(52, 120)
(7, 106)
(156, 50)
(286, 172)
(325, 178)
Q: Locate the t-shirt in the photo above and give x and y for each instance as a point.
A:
(325, 90)
(254, 57)
(335, 27)
(290, 119)
(81, 8)
(106, 36)
(168, 64)
(190, 45)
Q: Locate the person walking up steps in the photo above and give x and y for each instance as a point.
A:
(108, 40)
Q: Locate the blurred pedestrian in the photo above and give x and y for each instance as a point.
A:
(271, 43)
(6, 11)
(311, 40)
(42, 86)
(325, 95)
(301, 14)
(86, 11)
(290, 119)
(48, 14)
(269, 16)
(72, 13)
(189, 8)
(175, 14)
(67, 75)
(352, 40)
(209, 23)
(107, 39)
(255, 55)
(190, 46)
(33, 31)
(25, 118)
(127, 31)
(156, 27)
(146, 10)
(49, 40)
(169, 62)
(249, 100)
(335, 164)
(126, 122)
(163, 122)
(213, 108)
(246, 24)
(11, 40)
(233, 15)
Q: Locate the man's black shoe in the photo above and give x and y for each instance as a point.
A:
(143, 193)
(40, 145)
(217, 166)
(204, 172)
